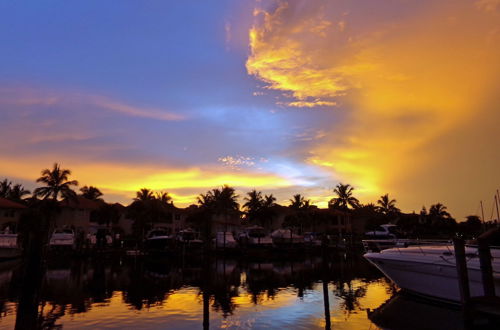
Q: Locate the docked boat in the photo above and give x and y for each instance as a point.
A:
(286, 237)
(387, 231)
(431, 270)
(62, 239)
(255, 237)
(189, 240)
(225, 240)
(9, 246)
(159, 239)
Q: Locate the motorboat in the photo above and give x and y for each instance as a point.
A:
(286, 236)
(389, 236)
(189, 239)
(386, 231)
(255, 236)
(225, 240)
(62, 238)
(9, 245)
(431, 270)
(159, 239)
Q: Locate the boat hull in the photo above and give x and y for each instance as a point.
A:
(435, 276)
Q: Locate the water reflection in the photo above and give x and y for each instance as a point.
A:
(159, 293)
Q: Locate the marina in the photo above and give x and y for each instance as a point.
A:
(259, 164)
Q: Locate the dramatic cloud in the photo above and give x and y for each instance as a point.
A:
(410, 78)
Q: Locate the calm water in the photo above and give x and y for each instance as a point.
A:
(143, 293)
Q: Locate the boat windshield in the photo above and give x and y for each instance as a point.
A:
(63, 231)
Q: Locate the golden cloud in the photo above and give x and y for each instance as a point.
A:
(407, 82)
(125, 179)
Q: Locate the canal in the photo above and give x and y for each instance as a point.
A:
(344, 292)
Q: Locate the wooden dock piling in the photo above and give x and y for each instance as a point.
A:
(486, 268)
(463, 276)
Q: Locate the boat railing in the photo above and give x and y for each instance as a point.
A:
(375, 245)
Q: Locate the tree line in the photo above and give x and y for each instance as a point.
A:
(149, 207)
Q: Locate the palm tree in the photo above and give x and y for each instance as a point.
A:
(269, 201)
(386, 205)
(439, 211)
(220, 200)
(91, 193)
(5, 188)
(344, 198)
(144, 195)
(253, 205)
(164, 197)
(17, 192)
(298, 201)
(13, 192)
(56, 184)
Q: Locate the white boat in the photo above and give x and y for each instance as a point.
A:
(63, 238)
(225, 240)
(387, 231)
(286, 236)
(431, 270)
(188, 238)
(255, 236)
(9, 247)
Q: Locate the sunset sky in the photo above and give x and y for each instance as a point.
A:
(390, 96)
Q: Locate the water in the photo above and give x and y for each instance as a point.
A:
(145, 293)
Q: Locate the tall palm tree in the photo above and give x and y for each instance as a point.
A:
(144, 195)
(386, 205)
(254, 202)
(56, 184)
(344, 199)
(91, 193)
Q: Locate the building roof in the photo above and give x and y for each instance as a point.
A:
(81, 203)
(8, 204)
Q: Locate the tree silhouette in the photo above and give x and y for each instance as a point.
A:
(144, 195)
(164, 197)
(220, 200)
(13, 192)
(253, 205)
(298, 202)
(91, 193)
(344, 198)
(56, 184)
(439, 211)
(386, 205)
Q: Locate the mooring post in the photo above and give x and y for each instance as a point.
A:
(463, 276)
(486, 268)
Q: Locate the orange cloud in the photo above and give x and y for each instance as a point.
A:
(407, 83)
